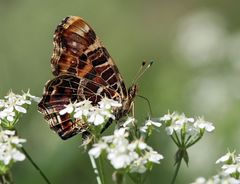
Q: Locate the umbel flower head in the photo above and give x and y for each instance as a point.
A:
(230, 171)
(12, 106)
(94, 116)
(9, 149)
(185, 132)
(135, 156)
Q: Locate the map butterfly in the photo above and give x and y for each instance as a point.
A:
(83, 69)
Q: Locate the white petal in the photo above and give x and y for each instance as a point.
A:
(20, 109)
(18, 156)
(155, 157)
(95, 152)
(166, 117)
(63, 111)
(224, 158)
(10, 118)
(6, 159)
(98, 120)
(210, 127)
(78, 114)
(169, 130)
(128, 121)
(9, 132)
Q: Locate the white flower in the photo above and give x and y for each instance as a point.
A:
(97, 149)
(124, 154)
(68, 109)
(138, 165)
(129, 120)
(231, 168)
(154, 157)
(182, 119)
(2, 103)
(200, 180)
(176, 122)
(96, 117)
(226, 158)
(17, 141)
(9, 144)
(34, 98)
(17, 155)
(83, 108)
(107, 103)
(138, 144)
(20, 109)
(220, 178)
(166, 117)
(202, 124)
(169, 130)
(149, 123)
(16, 101)
(14, 104)
(182, 125)
(107, 114)
(120, 133)
(120, 156)
(7, 113)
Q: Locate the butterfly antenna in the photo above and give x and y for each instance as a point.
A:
(139, 71)
(148, 102)
(142, 70)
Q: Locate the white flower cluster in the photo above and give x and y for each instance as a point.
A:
(14, 104)
(96, 115)
(135, 156)
(185, 131)
(217, 179)
(230, 173)
(9, 147)
(179, 122)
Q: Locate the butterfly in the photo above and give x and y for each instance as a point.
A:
(83, 70)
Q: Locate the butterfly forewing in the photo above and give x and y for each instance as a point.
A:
(78, 51)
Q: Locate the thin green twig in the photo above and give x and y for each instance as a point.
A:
(176, 171)
(94, 165)
(101, 169)
(36, 166)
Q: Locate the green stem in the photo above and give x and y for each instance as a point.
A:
(94, 165)
(174, 140)
(193, 142)
(101, 169)
(6, 178)
(36, 166)
(176, 171)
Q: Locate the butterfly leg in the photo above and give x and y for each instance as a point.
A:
(133, 110)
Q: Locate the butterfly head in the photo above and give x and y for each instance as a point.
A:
(132, 91)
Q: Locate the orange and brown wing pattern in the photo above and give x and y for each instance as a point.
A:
(58, 93)
(62, 90)
(83, 69)
(78, 51)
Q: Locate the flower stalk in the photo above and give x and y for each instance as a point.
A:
(178, 164)
(95, 169)
(35, 166)
(6, 178)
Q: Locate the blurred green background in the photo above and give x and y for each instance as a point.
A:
(196, 49)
